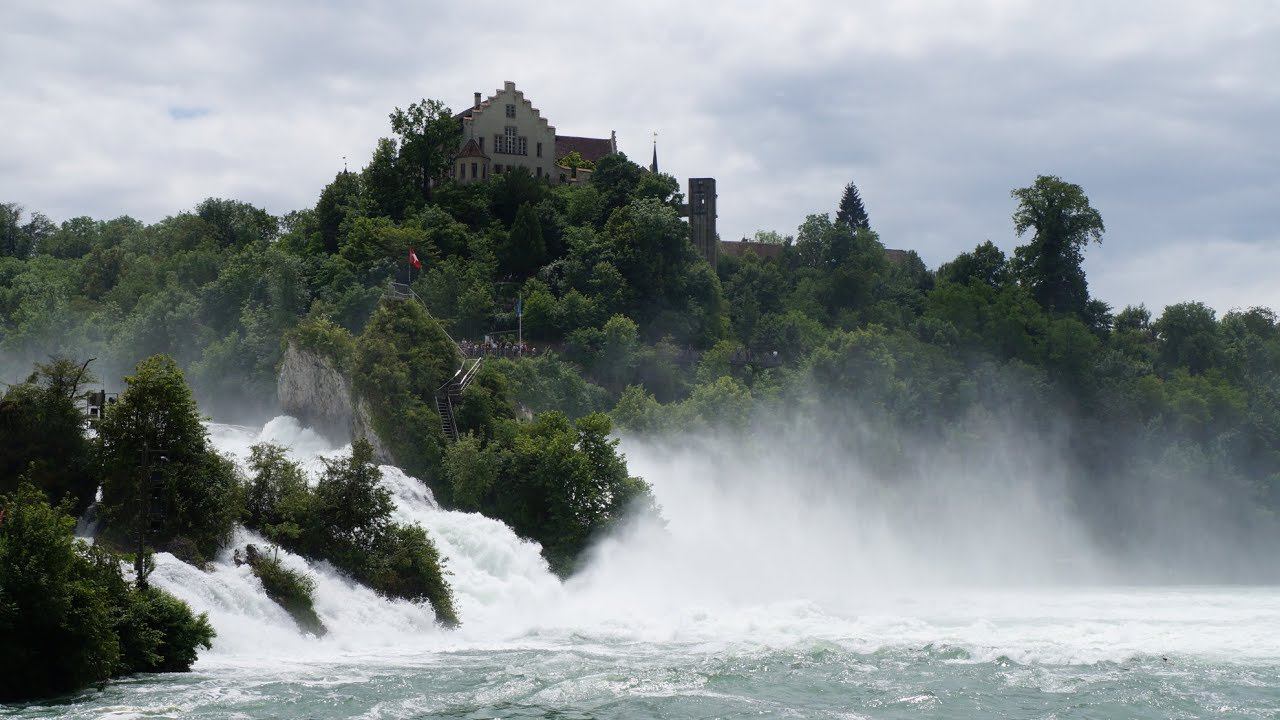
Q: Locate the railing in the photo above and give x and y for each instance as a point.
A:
(739, 358)
(402, 291)
(454, 386)
(452, 389)
(461, 379)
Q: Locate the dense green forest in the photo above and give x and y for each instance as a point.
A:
(629, 320)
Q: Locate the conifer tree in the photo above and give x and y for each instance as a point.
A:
(852, 212)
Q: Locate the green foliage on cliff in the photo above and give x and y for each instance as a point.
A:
(322, 336)
(547, 382)
(346, 520)
(402, 359)
(68, 619)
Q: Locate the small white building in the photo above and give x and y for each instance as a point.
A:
(506, 131)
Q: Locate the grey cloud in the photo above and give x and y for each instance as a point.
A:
(1164, 112)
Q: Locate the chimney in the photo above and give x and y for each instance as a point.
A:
(477, 104)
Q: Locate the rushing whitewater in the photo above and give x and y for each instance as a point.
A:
(755, 596)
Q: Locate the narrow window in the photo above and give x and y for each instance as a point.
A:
(473, 171)
(539, 149)
(481, 144)
(511, 111)
(539, 171)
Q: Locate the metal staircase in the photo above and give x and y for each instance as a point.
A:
(450, 393)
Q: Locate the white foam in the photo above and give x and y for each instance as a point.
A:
(730, 568)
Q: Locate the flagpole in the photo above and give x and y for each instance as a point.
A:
(519, 321)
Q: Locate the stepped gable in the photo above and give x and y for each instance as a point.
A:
(591, 149)
(509, 85)
(480, 106)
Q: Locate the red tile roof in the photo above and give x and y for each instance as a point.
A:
(472, 149)
(897, 256)
(738, 248)
(591, 149)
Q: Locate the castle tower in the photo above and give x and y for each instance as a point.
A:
(702, 218)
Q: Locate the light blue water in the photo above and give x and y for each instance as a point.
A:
(1202, 673)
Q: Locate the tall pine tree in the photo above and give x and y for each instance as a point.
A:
(852, 212)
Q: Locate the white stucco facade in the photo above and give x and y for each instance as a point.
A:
(510, 132)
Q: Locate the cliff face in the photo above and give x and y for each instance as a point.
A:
(312, 389)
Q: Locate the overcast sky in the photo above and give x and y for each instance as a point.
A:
(1167, 113)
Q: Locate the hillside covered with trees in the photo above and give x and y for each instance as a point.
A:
(629, 329)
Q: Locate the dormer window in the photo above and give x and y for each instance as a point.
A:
(511, 111)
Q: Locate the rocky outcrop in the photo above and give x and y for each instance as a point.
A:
(314, 390)
(362, 426)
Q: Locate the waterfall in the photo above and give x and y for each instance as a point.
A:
(492, 572)
(749, 555)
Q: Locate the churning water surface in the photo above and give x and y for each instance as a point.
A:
(745, 602)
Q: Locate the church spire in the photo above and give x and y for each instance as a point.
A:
(653, 167)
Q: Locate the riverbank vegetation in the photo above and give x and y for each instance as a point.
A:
(68, 617)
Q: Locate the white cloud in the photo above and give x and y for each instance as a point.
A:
(1164, 112)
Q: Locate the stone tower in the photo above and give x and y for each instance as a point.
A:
(702, 218)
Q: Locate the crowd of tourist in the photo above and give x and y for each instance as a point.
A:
(497, 347)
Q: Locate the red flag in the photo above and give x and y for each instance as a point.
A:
(414, 261)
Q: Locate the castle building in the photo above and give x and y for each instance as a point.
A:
(506, 131)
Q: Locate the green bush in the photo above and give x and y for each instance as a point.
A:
(346, 520)
(406, 564)
(68, 619)
(289, 589)
(555, 481)
(321, 335)
(179, 632)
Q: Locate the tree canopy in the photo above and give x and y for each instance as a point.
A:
(1063, 223)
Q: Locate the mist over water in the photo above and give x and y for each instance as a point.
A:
(784, 579)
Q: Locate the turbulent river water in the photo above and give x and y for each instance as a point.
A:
(743, 604)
